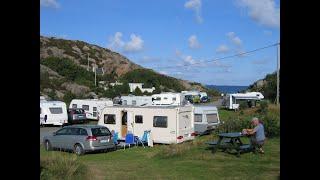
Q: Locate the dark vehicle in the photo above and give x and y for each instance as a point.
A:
(192, 99)
(204, 99)
(80, 139)
(76, 115)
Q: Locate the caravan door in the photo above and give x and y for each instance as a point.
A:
(130, 122)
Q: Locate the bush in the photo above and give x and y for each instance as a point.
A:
(271, 123)
(61, 167)
(263, 108)
(243, 105)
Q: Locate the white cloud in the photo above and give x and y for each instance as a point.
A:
(49, 3)
(234, 39)
(222, 49)
(134, 45)
(268, 33)
(193, 42)
(195, 5)
(189, 60)
(163, 72)
(263, 12)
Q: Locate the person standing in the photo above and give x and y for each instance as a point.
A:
(257, 134)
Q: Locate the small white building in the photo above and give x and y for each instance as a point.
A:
(133, 86)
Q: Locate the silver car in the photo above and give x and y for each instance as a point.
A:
(80, 139)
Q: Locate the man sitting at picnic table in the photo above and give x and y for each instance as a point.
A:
(258, 137)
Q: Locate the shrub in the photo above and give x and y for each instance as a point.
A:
(60, 166)
(271, 123)
(263, 108)
(243, 105)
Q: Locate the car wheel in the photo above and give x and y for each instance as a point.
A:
(47, 145)
(78, 150)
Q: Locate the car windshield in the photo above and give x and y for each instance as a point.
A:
(100, 132)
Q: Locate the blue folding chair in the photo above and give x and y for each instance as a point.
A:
(144, 139)
(129, 140)
(115, 138)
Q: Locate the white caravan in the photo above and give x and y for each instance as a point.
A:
(169, 98)
(132, 100)
(168, 124)
(206, 119)
(230, 101)
(92, 107)
(53, 112)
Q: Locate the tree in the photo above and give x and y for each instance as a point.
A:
(137, 92)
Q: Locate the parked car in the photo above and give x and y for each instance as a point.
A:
(76, 115)
(80, 139)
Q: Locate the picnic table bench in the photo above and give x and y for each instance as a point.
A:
(229, 142)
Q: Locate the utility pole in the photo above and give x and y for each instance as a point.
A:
(278, 71)
(95, 76)
(88, 63)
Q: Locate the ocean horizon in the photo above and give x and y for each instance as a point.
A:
(227, 89)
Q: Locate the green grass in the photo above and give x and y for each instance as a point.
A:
(189, 160)
(193, 161)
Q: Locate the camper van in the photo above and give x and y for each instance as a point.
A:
(53, 112)
(231, 101)
(206, 119)
(192, 96)
(92, 107)
(169, 98)
(168, 124)
(132, 100)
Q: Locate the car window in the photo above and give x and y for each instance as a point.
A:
(74, 131)
(83, 132)
(100, 131)
(63, 131)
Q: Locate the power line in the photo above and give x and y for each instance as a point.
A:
(226, 57)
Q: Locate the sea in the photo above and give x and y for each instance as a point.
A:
(227, 89)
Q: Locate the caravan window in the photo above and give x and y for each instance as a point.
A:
(197, 117)
(124, 102)
(157, 99)
(212, 118)
(94, 114)
(85, 107)
(56, 110)
(160, 121)
(110, 119)
(74, 106)
(165, 98)
(134, 102)
(174, 99)
(94, 108)
(138, 119)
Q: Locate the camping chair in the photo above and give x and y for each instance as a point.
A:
(115, 138)
(143, 139)
(129, 140)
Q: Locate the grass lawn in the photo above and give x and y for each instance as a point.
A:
(189, 160)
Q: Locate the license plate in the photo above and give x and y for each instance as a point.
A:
(103, 141)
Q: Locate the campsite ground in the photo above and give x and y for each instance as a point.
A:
(189, 160)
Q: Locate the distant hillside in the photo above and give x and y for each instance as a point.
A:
(227, 89)
(64, 74)
(267, 86)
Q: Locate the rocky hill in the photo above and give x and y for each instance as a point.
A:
(65, 74)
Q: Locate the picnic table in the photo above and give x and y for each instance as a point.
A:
(229, 142)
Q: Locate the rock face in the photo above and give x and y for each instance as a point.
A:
(75, 88)
(78, 51)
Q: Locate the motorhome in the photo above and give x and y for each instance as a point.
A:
(136, 100)
(206, 119)
(92, 107)
(192, 96)
(168, 124)
(231, 101)
(53, 113)
(168, 98)
(204, 97)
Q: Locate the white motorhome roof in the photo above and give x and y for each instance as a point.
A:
(250, 95)
(52, 102)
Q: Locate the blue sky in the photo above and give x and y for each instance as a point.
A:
(185, 34)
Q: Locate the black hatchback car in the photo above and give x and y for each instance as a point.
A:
(76, 115)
